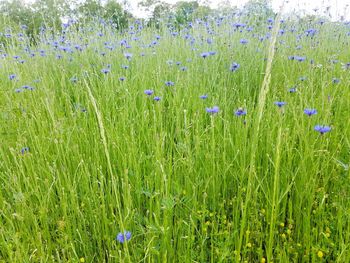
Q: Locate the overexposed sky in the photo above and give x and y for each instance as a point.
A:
(338, 8)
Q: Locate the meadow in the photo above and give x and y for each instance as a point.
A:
(226, 140)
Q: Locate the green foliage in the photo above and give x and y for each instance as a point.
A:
(183, 11)
(90, 8)
(114, 12)
(202, 12)
(259, 10)
(16, 13)
(51, 12)
(86, 155)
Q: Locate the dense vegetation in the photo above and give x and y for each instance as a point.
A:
(169, 142)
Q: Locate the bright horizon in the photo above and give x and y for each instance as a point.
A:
(337, 8)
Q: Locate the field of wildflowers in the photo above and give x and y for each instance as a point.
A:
(220, 141)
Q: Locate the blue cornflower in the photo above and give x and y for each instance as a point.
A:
(300, 59)
(105, 70)
(238, 25)
(212, 110)
(280, 103)
(156, 98)
(24, 150)
(203, 97)
(205, 54)
(310, 32)
(335, 81)
(346, 66)
(183, 68)
(169, 83)
(122, 78)
(234, 66)
(121, 238)
(292, 90)
(240, 112)
(12, 76)
(243, 41)
(128, 55)
(74, 79)
(334, 61)
(310, 112)
(322, 128)
(148, 92)
(27, 87)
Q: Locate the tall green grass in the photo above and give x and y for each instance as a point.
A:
(105, 158)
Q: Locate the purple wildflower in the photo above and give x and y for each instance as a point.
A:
(240, 112)
(300, 59)
(12, 76)
(105, 70)
(310, 112)
(205, 54)
(234, 66)
(27, 87)
(121, 238)
(322, 129)
(292, 90)
(148, 92)
(280, 103)
(335, 81)
(128, 56)
(212, 110)
(24, 150)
